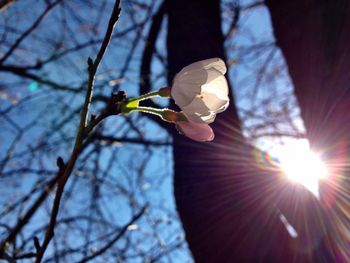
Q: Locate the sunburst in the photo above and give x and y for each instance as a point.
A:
(300, 164)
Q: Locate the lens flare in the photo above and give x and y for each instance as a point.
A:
(301, 165)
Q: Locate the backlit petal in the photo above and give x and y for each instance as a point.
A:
(215, 63)
(217, 86)
(205, 105)
(201, 90)
(196, 131)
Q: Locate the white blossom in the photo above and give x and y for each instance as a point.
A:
(201, 90)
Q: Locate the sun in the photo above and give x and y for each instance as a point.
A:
(300, 164)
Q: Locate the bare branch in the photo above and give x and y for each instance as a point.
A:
(121, 140)
(93, 66)
(29, 30)
(147, 55)
(116, 238)
(29, 214)
(5, 4)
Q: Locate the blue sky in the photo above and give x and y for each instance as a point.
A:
(153, 184)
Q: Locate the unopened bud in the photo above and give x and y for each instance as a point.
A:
(170, 115)
(165, 92)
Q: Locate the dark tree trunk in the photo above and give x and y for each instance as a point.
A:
(314, 36)
(221, 196)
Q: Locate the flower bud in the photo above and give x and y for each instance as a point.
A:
(169, 115)
(201, 90)
(165, 92)
(196, 131)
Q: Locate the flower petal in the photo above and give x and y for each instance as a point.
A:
(201, 90)
(217, 86)
(207, 118)
(204, 107)
(187, 85)
(200, 132)
(205, 75)
(215, 63)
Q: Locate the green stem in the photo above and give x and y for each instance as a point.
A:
(146, 96)
(150, 110)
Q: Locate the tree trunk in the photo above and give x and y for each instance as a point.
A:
(314, 37)
(221, 196)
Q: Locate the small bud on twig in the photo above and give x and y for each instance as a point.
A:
(36, 244)
(90, 61)
(60, 163)
(165, 92)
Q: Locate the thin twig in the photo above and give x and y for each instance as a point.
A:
(28, 31)
(23, 72)
(146, 61)
(92, 69)
(111, 139)
(22, 221)
(116, 238)
(5, 4)
(234, 23)
(253, 5)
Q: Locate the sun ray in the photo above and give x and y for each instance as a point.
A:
(300, 164)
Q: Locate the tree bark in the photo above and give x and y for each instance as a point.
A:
(222, 198)
(314, 37)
